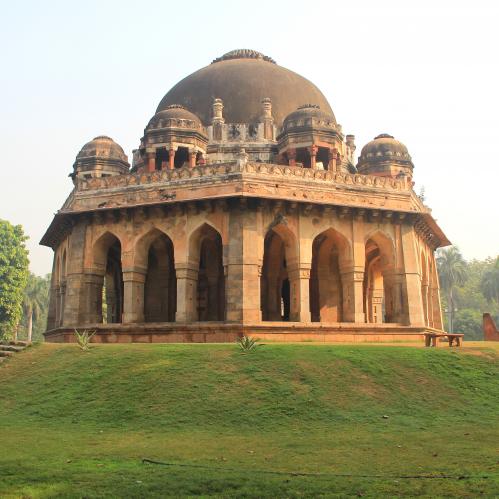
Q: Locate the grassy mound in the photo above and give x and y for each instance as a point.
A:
(285, 420)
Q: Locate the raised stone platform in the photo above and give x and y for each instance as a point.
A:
(222, 332)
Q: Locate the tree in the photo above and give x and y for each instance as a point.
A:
(13, 276)
(35, 301)
(469, 321)
(490, 282)
(452, 273)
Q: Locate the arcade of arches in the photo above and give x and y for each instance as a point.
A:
(261, 267)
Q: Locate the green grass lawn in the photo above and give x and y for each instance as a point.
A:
(283, 421)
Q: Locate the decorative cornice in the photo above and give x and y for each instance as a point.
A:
(264, 169)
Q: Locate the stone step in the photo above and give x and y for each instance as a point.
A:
(11, 348)
(3, 353)
(20, 343)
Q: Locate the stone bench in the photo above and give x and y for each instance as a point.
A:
(431, 339)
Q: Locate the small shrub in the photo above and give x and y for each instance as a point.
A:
(247, 344)
(83, 339)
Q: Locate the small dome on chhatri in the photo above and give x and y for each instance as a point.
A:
(307, 111)
(174, 112)
(102, 147)
(384, 147)
(101, 153)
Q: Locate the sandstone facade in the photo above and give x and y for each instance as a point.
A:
(263, 227)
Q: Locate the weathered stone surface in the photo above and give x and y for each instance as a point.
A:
(260, 226)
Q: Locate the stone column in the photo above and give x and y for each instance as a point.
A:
(62, 294)
(313, 156)
(187, 279)
(436, 308)
(425, 293)
(394, 283)
(333, 155)
(73, 294)
(57, 294)
(234, 262)
(171, 158)
(151, 161)
(252, 259)
(133, 298)
(352, 279)
(352, 273)
(299, 284)
(412, 286)
(92, 310)
(291, 152)
(377, 306)
(192, 158)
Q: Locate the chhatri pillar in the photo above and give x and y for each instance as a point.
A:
(171, 158)
(151, 161)
(313, 149)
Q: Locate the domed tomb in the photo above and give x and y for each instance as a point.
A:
(242, 79)
(100, 157)
(385, 156)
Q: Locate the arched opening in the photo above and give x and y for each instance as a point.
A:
(322, 158)
(329, 253)
(207, 250)
(381, 303)
(162, 156)
(181, 157)
(108, 299)
(275, 286)
(303, 157)
(160, 287)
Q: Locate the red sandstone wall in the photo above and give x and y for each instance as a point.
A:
(490, 332)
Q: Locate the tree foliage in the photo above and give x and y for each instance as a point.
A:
(452, 273)
(490, 282)
(470, 296)
(35, 306)
(13, 276)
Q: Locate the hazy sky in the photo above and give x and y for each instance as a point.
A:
(425, 72)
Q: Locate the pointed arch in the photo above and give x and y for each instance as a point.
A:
(381, 297)
(386, 247)
(143, 243)
(106, 293)
(154, 253)
(280, 252)
(331, 251)
(206, 257)
(101, 247)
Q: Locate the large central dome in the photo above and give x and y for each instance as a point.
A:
(242, 78)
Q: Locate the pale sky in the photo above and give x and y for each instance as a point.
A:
(425, 72)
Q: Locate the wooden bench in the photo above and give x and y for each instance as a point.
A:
(431, 339)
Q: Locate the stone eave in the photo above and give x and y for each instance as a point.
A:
(431, 223)
(279, 184)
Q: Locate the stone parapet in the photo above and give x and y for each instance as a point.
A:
(180, 175)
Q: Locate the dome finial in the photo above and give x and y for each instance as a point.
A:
(243, 54)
